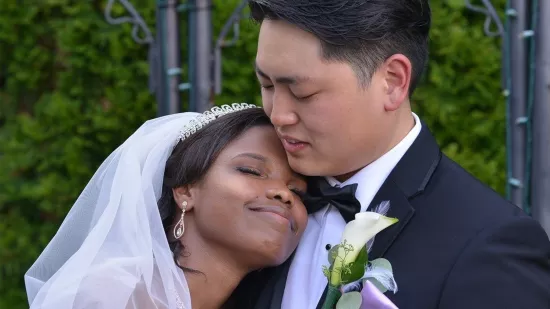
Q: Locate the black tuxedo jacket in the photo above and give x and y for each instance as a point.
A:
(457, 245)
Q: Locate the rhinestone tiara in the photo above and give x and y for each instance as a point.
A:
(205, 118)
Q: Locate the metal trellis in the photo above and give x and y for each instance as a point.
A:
(526, 84)
(540, 194)
(204, 61)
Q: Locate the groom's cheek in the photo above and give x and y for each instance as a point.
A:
(267, 103)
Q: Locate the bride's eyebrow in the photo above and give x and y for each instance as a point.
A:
(252, 155)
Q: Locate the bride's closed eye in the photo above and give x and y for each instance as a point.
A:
(298, 192)
(249, 170)
(255, 172)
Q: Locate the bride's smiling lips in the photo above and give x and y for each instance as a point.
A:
(280, 213)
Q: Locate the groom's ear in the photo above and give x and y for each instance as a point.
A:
(397, 75)
(184, 193)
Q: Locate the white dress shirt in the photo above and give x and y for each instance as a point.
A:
(305, 282)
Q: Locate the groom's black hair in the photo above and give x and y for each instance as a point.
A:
(363, 33)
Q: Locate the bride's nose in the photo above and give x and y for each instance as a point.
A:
(281, 194)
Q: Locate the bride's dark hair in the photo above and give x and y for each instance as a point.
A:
(192, 158)
(189, 163)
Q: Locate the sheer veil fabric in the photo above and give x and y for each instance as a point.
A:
(111, 250)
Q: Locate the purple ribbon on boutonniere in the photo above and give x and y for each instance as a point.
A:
(372, 298)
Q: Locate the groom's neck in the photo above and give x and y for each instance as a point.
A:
(404, 124)
(214, 276)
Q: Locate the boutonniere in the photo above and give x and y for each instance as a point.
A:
(353, 280)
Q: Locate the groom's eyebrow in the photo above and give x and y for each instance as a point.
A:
(289, 80)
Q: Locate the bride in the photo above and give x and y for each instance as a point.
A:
(176, 217)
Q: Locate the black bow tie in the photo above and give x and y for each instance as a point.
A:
(320, 193)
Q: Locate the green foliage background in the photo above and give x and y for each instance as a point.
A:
(73, 87)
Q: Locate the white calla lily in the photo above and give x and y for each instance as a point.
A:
(356, 234)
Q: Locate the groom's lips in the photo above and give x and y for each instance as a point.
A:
(293, 145)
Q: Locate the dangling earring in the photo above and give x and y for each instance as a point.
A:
(180, 228)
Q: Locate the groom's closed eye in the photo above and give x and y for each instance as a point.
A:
(303, 96)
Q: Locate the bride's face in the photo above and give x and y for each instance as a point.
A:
(247, 204)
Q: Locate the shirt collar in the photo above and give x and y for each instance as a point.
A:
(371, 177)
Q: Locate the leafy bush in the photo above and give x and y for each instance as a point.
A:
(73, 87)
(461, 98)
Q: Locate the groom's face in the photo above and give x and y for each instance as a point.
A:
(330, 123)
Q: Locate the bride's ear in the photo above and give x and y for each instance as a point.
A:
(184, 194)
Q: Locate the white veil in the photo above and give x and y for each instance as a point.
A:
(111, 251)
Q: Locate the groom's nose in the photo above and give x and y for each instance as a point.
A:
(281, 112)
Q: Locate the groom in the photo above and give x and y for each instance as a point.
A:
(336, 80)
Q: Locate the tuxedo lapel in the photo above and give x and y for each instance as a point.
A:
(407, 180)
(400, 208)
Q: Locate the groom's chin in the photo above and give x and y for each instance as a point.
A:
(317, 166)
(301, 163)
(307, 166)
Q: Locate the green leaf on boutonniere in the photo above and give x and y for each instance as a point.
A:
(351, 300)
(356, 269)
(378, 285)
(332, 254)
(326, 271)
(380, 273)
